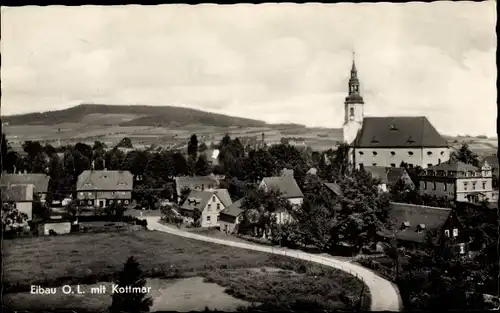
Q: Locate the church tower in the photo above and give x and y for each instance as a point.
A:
(353, 107)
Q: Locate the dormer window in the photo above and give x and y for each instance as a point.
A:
(374, 139)
(410, 140)
(393, 127)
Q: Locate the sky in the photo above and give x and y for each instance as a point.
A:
(273, 62)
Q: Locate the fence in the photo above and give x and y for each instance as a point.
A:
(379, 287)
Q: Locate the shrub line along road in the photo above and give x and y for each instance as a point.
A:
(384, 295)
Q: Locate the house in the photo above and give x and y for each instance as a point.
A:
(289, 189)
(286, 184)
(200, 183)
(230, 217)
(411, 225)
(209, 203)
(492, 160)
(457, 181)
(21, 196)
(39, 181)
(390, 176)
(388, 141)
(102, 188)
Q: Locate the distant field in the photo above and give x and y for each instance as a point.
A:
(316, 138)
(71, 133)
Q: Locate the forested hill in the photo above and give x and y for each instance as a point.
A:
(132, 115)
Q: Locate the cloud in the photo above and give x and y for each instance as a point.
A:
(279, 63)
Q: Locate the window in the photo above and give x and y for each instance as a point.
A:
(361, 153)
(484, 185)
(213, 199)
(89, 202)
(445, 188)
(202, 187)
(447, 233)
(434, 186)
(110, 201)
(410, 165)
(351, 111)
(439, 161)
(465, 185)
(218, 218)
(119, 201)
(474, 186)
(374, 153)
(374, 164)
(218, 206)
(429, 165)
(429, 152)
(209, 207)
(393, 153)
(455, 232)
(410, 152)
(393, 165)
(442, 152)
(208, 218)
(425, 185)
(126, 201)
(81, 193)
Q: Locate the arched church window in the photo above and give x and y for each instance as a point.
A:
(351, 111)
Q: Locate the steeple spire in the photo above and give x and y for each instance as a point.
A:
(353, 69)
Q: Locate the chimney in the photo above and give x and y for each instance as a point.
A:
(104, 164)
(263, 138)
(15, 169)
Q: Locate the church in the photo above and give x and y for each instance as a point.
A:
(388, 141)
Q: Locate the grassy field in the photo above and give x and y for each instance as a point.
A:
(92, 258)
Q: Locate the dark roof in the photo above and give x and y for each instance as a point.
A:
(41, 181)
(455, 166)
(394, 174)
(285, 184)
(334, 187)
(17, 193)
(398, 132)
(197, 200)
(379, 172)
(432, 217)
(234, 209)
(105, 180)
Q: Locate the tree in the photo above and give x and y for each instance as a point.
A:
(363, 210)
(136, 301)
(201, 166)
(125, 143)
(465, 155)
(196, 217)
(192, 148)
(12, 219)
(259, 164)
(202, 147)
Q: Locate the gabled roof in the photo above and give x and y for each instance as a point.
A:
(455, 166)
(432, 218)
(334, 187)
(197, 200)
(182, 181)
(17, 193)
(379, 172)
(105, 180)
(234, 209)
(40, 181)
(399, 173)
(224, 197)
(398, 132)
(285, 184)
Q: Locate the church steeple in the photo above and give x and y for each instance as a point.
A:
(353, 106)
(354, 96)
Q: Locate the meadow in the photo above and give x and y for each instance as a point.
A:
(91, 258)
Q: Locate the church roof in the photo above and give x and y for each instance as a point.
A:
(398, 132)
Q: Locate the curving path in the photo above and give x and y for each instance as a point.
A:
(384, 295)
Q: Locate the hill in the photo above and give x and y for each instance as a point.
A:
(128, 115)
